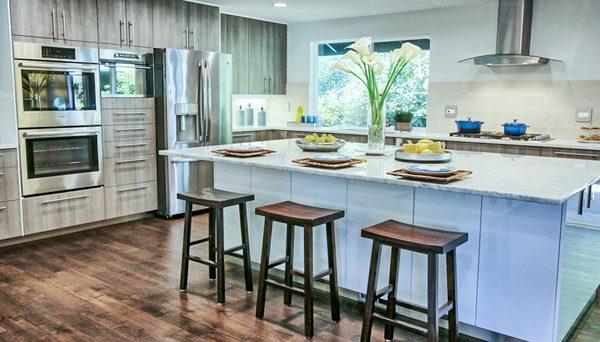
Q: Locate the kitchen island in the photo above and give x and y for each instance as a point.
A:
(516, 274)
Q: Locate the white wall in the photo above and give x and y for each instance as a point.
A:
(8, 126)
(564, 30)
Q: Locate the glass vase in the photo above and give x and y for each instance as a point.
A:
(376, 129)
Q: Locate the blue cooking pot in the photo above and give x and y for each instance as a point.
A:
(468, 126)
(515, 128)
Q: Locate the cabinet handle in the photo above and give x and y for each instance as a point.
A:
(1, 174)
(132, 113)
(575, 154)
(187, 38)
(133, 189)
(53, 15)
(270, 85)
(64, 20)
(121, 38)
(3, 208)
(129, 27)
(66, 199)
(132, 145)
(264, 85)
(129, 129)
(192, 33)
(132, 161)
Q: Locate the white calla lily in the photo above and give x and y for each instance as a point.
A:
(378, 68)
(371, 59)
(353, 56)
(407, 51)
(361, 46)
(342, 66)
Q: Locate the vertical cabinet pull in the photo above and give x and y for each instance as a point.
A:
(192, 40)
(129, 38)
(121, 38)
(64, 22)
(53, 16)
(187, 38)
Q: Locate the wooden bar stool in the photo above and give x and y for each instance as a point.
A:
(216, 200)
(294, 214)
(432, 242)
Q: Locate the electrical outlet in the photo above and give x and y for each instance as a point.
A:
(451, 112)
(583, 114)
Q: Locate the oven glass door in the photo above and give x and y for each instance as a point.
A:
(125, 80)
(57, 156)
(57, 90)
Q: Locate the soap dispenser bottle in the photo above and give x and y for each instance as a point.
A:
(249, 115)
(241, 117)
(262, 117)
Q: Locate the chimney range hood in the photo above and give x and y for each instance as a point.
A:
(513, 38)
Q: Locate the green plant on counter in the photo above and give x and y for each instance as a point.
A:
(403, 116)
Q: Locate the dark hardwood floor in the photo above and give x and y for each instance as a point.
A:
(121, 283)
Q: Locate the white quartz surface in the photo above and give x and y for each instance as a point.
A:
(422, 133)
(4, 146)
(528, 178)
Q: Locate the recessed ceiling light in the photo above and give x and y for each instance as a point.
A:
(279, 4)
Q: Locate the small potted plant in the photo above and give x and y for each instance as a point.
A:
(403, 120)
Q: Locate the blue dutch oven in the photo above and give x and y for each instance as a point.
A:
(468, 126)
(515, 128)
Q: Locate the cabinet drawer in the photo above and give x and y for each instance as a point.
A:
(116, 149)
(571, 153)
(130, 199)
(127, 103)
(129, 170)
(43, 213)
(128, 132)
(9, 184)
(244, 137)
(127, 116)
(10, 220)
(8, 158)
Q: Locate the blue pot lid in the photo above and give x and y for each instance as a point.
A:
(515, 124)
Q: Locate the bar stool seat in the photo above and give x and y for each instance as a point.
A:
(299, 214)
(216, 200)
(417, 239)
(295, 214)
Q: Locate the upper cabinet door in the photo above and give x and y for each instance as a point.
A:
(139, 23)
(203, 23)
(45, 24)
(279, 59)
(170, 23)
(112, 21)
(77, 20)
(234, 40)
(258, 57)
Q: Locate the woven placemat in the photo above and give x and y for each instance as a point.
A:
(228, 153)
(456, 175)
(312, 163)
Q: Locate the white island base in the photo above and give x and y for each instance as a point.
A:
(509, 272)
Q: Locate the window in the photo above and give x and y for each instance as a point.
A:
(342, 99)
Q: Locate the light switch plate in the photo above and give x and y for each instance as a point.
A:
(583, 114)
(451, 112)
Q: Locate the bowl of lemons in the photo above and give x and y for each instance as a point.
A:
(424, 151)
(320, 143)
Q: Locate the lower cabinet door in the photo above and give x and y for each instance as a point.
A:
(129, 170)
(130, 199)
(67, 209)
(10, 220)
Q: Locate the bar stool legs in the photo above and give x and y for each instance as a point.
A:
(432, 297)
(391, 301)
(452, 296)
(308, 281)
(289, 265)
(371, 286)
(333, 281)
(264, 265)
(185, 252)
(220, 257)
(212, 249)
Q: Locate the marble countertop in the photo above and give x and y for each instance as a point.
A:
(419, 133)
(528, 178)
(4, 146)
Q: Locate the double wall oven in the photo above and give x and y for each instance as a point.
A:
(59, 118)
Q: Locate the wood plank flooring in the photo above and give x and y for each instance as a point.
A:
(120, 283)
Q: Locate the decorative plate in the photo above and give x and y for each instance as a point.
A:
(331, 158)
(245, 148)
(431, 170)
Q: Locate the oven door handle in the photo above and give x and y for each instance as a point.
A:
(60, 133)
(58, 66)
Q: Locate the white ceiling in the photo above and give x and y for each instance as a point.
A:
(311, 10)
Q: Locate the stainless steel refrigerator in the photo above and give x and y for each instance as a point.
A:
(193, 108)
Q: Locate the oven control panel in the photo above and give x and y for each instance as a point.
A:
(58, 52)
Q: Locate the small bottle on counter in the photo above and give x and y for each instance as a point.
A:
(249, 115)
(241, 117)
(262, 117)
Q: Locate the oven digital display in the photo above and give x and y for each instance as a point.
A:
(58, 52)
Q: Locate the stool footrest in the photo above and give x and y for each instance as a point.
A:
(384, 291)
(231, 250)
(204, 239)
(322, 274)
(317, 278)
(414, 328)
(443, 310)
(201, 261)
(278, 262)
(283, 286)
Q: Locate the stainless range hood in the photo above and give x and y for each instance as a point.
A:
(513, 39)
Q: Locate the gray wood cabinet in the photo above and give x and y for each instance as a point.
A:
(186, 25)
(259, 51)
(125, 22)
(59, 20)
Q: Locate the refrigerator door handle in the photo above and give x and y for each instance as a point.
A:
(207, 101)
(200, 123)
